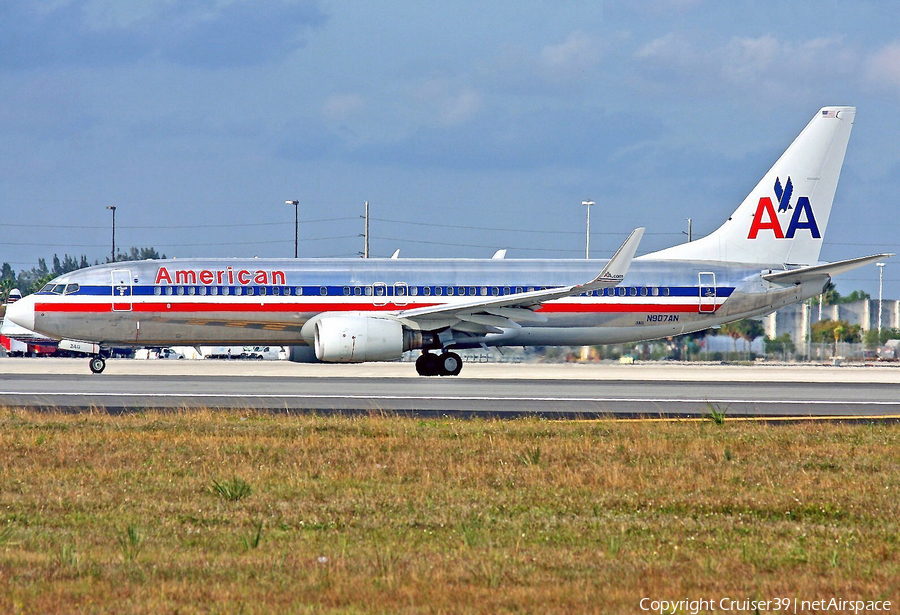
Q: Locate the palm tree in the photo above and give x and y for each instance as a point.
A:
(751, 329)
(732, 330)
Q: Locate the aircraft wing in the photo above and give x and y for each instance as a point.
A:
(795, 276)
(486, 315)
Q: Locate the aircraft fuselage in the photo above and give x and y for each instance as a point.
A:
(243, 301)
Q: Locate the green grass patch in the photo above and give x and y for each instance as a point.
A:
(232, 490)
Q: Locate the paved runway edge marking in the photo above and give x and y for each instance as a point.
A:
(562, 415)
(743, 419)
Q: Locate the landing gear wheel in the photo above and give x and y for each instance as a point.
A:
(98, 364)
(428, 364)
(450, 364)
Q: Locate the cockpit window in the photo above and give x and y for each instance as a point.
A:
(58, 289)
(72, 288)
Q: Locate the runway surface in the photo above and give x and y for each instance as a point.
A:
(504, 390)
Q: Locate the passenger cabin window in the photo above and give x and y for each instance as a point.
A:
(346, 291)
(323, 290)
(157, 290)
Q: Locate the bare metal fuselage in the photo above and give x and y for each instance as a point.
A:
(268, 301)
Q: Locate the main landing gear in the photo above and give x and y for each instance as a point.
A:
(444, 364)
(98, 364)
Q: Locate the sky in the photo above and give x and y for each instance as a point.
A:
(468, 126)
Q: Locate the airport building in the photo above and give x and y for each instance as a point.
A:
(797, 319)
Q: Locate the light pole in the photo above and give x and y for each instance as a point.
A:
(113, 209)
(296, 223)
(880, 280)
(690, 232)
(587, 238)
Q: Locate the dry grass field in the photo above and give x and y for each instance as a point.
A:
(241, 512)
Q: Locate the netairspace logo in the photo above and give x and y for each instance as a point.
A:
(783, 605)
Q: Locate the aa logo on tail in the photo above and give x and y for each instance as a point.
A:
(766, 218)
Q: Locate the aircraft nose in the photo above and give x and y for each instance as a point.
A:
(22, 312)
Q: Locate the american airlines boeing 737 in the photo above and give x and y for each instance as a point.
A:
(763, 257)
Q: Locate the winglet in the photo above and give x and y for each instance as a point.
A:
(618, 265)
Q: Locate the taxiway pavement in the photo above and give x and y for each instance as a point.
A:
(571, 390)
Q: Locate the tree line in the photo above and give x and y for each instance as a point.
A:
(31, 280)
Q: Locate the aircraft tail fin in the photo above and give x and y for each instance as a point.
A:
(783, 220)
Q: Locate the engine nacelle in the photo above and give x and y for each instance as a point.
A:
(354, 339)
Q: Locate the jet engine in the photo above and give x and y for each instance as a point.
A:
(354, 339)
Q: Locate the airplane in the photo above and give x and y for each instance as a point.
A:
(763, 257)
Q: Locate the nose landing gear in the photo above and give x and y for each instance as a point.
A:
(444, 364)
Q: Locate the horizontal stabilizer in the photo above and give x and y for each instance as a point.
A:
(795, 276)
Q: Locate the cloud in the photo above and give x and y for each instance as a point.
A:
(448, 104)
(340, 107)
(883, 67)
(762, 65)
(105, 33)
(570, 58)
(567, 137)
(672, 50)
(662, 8)
(554, 69)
